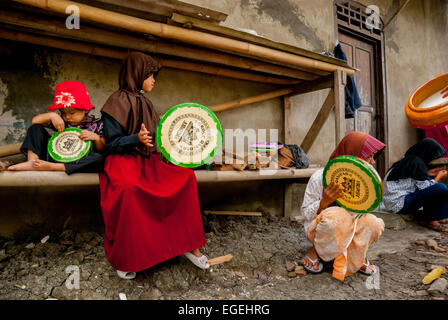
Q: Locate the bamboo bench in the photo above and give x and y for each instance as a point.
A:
(292, 196)
(53, 178)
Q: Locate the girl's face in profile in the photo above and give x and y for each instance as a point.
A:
(371, 160)
(148, 84)
(73, 116)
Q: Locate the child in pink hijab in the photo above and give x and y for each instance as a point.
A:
(317, 200)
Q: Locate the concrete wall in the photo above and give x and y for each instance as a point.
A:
(415, 52)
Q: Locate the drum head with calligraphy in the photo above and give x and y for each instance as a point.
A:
(67, 146)
(189, 135)
(363, 189)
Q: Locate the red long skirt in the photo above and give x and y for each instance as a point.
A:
(151, 211)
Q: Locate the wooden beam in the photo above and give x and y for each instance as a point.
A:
(188, 36)
(234, 213)
(287, 120)
(340, 80)
(313, 85)
(309, 86)
(394, 15)
(57, 28)
(319, 122)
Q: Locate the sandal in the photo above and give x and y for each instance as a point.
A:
(366, 265)
(434, 226)
(200, 262)
(126, 275)
(312, 270)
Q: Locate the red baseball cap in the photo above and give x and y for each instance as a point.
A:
(71, 94)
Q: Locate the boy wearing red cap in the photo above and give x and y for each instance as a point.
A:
(72, 101)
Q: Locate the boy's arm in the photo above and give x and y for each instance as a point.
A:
(46, 119)
(43, 119)
(100, 143)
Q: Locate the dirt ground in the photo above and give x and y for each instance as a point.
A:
(260, 247)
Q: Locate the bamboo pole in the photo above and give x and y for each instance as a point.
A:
(188, 36)
(10, 149)
(234, 213)
(250, 100)
(55, 27)
(121, 54)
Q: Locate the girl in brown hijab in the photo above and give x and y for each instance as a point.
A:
(150, 208)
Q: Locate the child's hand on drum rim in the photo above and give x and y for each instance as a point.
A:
(87, 135)
(330, 194)
(57, 121)
(144, 137)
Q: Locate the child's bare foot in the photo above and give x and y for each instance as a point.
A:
(42, 165)
(23, 166)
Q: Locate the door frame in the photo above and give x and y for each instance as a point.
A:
(378, 43)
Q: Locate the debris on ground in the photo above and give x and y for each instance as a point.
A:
(258, 269)
(433, 275)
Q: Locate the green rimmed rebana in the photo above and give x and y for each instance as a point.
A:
(362, 166)
(56, 157)
(167, 154)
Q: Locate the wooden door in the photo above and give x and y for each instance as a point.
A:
(361, 55)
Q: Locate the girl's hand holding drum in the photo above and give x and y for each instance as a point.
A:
(144, 137)
(332, 193)
(57, 122)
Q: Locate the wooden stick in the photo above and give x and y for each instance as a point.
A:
(189, 36)
(287, 120)
(394, 15)
(219, 260)
(10, 149)
(234, 213)
(319, 122)
(121, 54)
(56, 27)
(339, 104)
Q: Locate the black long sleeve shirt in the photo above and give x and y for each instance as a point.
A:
(117, 140)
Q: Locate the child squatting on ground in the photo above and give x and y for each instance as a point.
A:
(330, 228)
(72, 101)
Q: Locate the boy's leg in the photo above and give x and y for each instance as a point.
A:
(92, 163)
(34, 147)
